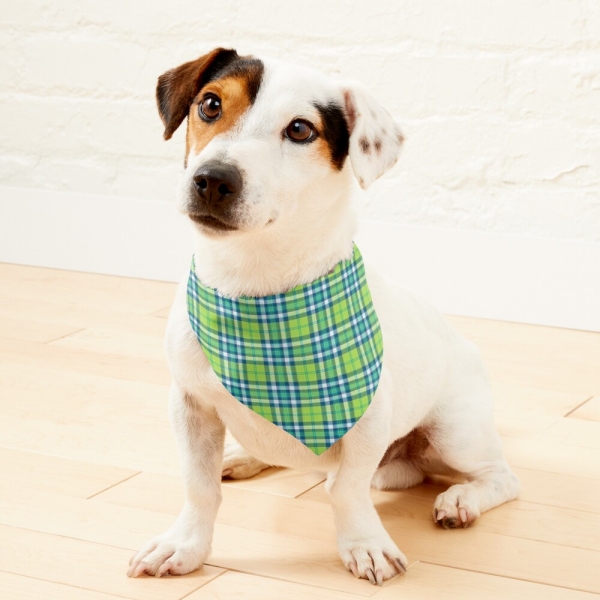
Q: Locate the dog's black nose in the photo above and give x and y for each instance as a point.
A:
(218, 183)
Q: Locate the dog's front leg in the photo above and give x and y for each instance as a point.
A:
(184, 547)
(365, 546)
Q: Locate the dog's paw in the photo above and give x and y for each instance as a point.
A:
(238, 464)
(372, 559)
(170, 554)
(456, 507)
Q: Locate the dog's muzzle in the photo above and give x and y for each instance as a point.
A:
(216, 187)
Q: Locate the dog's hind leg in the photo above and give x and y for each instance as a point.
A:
(238, 464)
(468, 442)
(400, 466)
(398, 474)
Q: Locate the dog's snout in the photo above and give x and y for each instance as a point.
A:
(216, 182)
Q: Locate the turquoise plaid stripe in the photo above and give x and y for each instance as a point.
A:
(308, 360)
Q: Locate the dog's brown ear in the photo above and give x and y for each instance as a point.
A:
(177, 88)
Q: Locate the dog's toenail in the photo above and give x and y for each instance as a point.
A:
(401, 568)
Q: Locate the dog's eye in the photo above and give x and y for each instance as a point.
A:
(210, 108)
(299, 130)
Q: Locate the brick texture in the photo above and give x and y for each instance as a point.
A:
(500, 100)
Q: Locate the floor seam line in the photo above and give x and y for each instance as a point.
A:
(69, 537)
(62, 337)
(312, 487)
(205, 584)
(563, 587)
(77, 587)
(578, 407)
(113, 485)
(312, 585)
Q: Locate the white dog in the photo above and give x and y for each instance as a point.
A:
(266, 186)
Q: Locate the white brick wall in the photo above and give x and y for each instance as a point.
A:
(500, 99)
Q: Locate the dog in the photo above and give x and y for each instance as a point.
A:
(271, 149)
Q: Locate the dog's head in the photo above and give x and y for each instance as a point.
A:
(265, 138)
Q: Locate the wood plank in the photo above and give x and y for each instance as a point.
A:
(535, 356)
(297, 558)
(529, 520)
(476, 550)
(520, 519)
(122, 443)
(577, 378)
(76, 518)
(87, 565)
(521, 411)
(499, 335)
(110, 340)
(522, 424)
(282, 482)
(99, 395)
(33, 331)
(563, 526)
(421, 540)
(517, 398)
(77, 316)
(555, 489)
(479, 548)
(279, 555)
(573, 432)
(48, 473)
(62, 395)
(79, 361)
(163, 493)
(313, 518)
(250, 587)
(95, 418)
(72, 288)
(240, 507)
(551, 456)
(590, 411)
(149, 491)
(163, 313)
(18, 587)
(425, 581)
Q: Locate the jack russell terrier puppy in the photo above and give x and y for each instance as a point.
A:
(276, 335)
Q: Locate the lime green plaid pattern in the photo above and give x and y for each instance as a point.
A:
(308, 360)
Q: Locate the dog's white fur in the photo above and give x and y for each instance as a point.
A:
(295, 223)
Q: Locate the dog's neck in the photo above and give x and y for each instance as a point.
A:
(295, 251)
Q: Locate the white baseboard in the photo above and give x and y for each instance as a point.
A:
(496, 276)
(99, 234)
(530, 280)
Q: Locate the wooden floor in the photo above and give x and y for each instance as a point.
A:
(89, 470)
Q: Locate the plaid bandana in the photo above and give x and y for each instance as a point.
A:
(307, 360)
